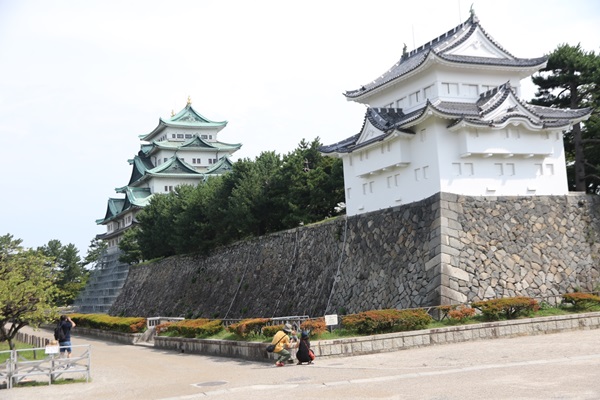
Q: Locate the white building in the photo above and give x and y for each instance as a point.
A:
(447, 118)
(183, 149)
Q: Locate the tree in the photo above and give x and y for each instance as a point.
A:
(95, 253)
(67, 270)
(130, 249)
(26, 288)
(570, 80)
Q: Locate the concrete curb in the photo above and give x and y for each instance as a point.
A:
(391, 341)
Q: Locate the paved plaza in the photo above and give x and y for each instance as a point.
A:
(555, 366)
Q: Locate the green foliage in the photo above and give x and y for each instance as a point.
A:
(67, 269)
(130, 249)
(257, 197)
(509, 307)
(570, 80)
(581, 301)
(26, 288)
(271, 330)
(108, 323)
(194, 328)
(390, 320)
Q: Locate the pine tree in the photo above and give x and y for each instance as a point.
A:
(571, 79)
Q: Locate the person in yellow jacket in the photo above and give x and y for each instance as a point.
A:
(282, 343)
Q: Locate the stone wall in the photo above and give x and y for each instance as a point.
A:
(444, 249)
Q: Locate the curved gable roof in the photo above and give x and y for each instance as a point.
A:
(447, 47)
(187, 118)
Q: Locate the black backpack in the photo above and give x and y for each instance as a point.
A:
(59, 333)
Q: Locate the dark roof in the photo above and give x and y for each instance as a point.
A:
(439, 47)
(390, 120)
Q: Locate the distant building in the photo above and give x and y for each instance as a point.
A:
(447, 117)
(183, 149)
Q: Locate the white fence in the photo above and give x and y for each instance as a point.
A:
(17, 368)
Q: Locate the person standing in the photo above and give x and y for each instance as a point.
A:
(66, 324)
(282, 343)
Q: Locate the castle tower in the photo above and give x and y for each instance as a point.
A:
(447, 117)
(182, 149)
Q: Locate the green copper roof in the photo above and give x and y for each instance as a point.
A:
(186, 118)
(174, 165)
(223, 166)
(191, 144)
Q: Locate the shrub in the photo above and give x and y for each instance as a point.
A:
(314, 326)
(390, 320)
(461, 313)
(271, 330)
(107, 323)
(247, 327)
(162, 327)
(509, 307)
(581, 301)
(191, 328)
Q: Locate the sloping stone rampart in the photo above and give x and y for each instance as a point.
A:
(442, 250)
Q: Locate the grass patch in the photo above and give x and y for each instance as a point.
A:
(29, 355)
(62, 381)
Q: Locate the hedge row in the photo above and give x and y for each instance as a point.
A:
(383, 321)
(107, 323)
(191, 328)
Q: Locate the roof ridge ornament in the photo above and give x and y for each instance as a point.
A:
(474, 18)
(189, 101)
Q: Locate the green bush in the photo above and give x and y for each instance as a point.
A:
(194, 328)
(581, 301)
(508, 307)
(390, 320)
(271, 330)
(107, 323)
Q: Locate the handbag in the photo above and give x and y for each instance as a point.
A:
(271, 347)
(311, 354)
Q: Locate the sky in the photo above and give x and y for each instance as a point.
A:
(81, 80)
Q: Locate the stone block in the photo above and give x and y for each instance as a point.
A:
(453, 295)
(455, 272)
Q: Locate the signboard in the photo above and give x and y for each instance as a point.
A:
(331, 319)
(52, 349)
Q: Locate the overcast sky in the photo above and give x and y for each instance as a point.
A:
(81, 80)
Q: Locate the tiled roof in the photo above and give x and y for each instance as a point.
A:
(478, 113)
(440, 48)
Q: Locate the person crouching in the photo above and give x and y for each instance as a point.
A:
(282, 343)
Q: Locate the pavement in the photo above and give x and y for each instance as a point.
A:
(554, 366)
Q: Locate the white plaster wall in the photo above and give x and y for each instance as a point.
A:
(436, 77)
(157, 185)
(169, 131)
(435, 164)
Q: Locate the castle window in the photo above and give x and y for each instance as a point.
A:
(397, 179)
(180, 136)
(417, 174)
(428, 92)
(456, 169)
(389, 181)
(364, 188)
(550, 169)
(210, 136)
(173, 136)
(415, 97)
(425, 172)
(371, 185)
(204, 137)
(499, 169)
(348, 193)
(423, 135)
(539, 171)
(401, 103)
(470, 90)
(450, 88)
(188, 136)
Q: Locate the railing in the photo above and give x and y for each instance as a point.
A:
(17, 367)
(154, 321)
